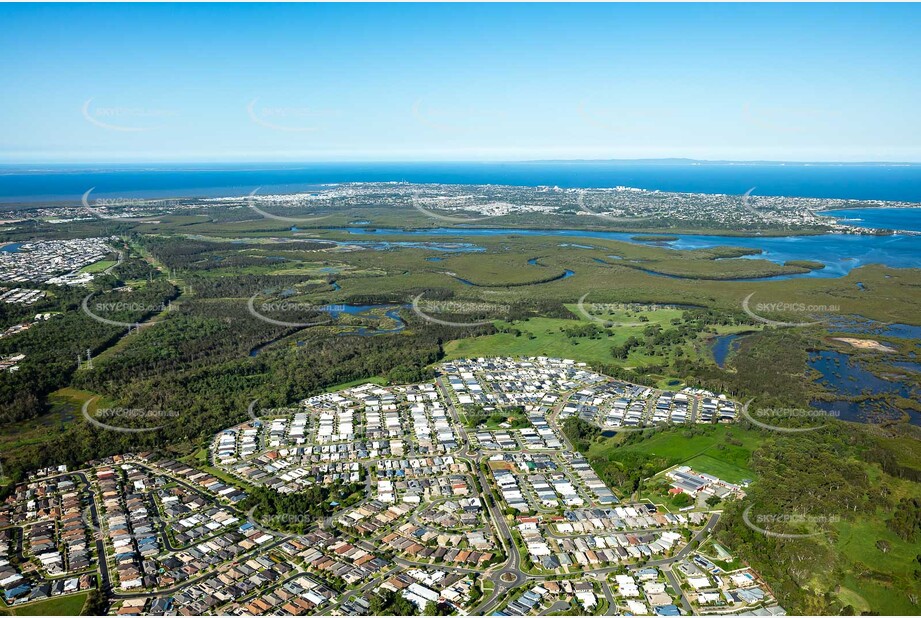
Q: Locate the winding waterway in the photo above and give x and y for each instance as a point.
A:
(364, 311)
(847, 377)
(840, 253)
(724, 345)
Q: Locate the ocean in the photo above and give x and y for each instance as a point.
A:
(907, 219)
(33, 183)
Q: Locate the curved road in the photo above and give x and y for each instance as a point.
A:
(509, 570)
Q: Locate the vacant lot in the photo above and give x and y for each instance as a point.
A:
(721, 450)
(70, 605)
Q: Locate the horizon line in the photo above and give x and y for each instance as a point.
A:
(659, 160)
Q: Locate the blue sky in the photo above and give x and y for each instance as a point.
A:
(109, 83)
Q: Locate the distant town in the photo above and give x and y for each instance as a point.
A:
(621, 205)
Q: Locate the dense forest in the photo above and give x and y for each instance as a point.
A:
(756, 370)
(832, 485)
(51, 350)
(196, 365)
(298, 512)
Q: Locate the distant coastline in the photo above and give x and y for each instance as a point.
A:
(899, 182)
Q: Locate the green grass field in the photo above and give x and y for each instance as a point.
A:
(849, 596)
(709, 452)
(857, 541)
(885, 580)
(372, 380)
(547, 341)
(866, 577)
(545, 337)
(709, 464)
(866, 595)
(98, 267)
(70, 605)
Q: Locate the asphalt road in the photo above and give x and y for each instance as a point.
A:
(701, 534)
(105, 581)
(189, 582)
(557, 607)
(676, 585)
(511, 568)
(512, 565)
(612, 607)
